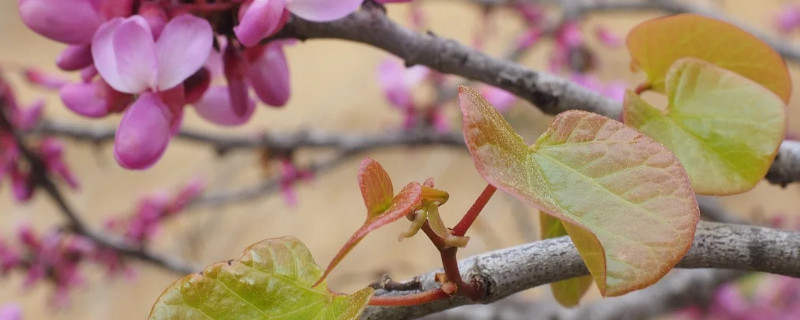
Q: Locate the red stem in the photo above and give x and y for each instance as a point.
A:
(643, 87)
(461, 228)
(408, 299)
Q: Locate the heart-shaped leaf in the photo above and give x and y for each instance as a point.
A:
(567, 292)
(725, 128)
(627, 192)
(656, 44)
(376, 187)
(272, 280)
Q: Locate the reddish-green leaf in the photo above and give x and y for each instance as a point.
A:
(567, 292)
(376, 187)
(627, 192)
(656, 44)
(272, 280)
(725, 128)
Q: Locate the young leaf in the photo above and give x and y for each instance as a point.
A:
(567, 292)
(376, 188)
(628, 193)
(272, 280)
(725, 128)
(656, 44)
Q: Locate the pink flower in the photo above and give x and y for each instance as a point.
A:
(263, 67)
(72, 22)
(10, 312)
(94, 99)
(392, 1)
(788, 18)
(42, 79)
(215, 106)
(268, 72)
(68, 21)
(52, 154)
(607, 38)
(131, 61)
(289, 175)
(9, 258)
(259, 19)
(501, 100)
(397, 81)
(613, 90)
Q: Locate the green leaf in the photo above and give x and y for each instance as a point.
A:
(568, 292)
(376, 187)
(272, 280)
(627, 192)
(725, 128)
(656, 44)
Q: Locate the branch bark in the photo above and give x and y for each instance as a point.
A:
(507, 271)
(549, 93)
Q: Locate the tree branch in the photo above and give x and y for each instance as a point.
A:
(75, 222)
(679, 289)
(782, 46)
(549, 93)
(507, 271)
(343, 141)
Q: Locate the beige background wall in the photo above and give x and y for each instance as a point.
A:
(334, 88)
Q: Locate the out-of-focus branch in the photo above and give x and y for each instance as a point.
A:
(549, 93)
(371, 26)
(679, 289)
(507, 271)
(74, 222)
(343, 141)
(783, 47)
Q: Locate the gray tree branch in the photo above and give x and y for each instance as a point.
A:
(549, 93)
(507, 271)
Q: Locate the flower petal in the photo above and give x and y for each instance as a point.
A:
(215, 106)
(74, 57)
(135, 52)
(182, 49)
(322, 10)
(85, 99)
(235, 69)
(269, 76)
(105, 60)
(143, 134)
(259, 20)
(67, 21)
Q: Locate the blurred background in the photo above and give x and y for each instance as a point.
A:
(334, 88)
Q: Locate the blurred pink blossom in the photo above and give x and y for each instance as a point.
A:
(10, 312)
(259, 19)
(608, 38)
(788, 19)
(501, 100)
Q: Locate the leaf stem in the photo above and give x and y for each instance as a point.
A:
(461, 228)
(408, 299)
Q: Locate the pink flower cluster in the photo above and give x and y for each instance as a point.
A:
(150, 59)
(152, 210)
(769, 297)
(10, 312)
(788, 19)
(49, 150)
(56, 256)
